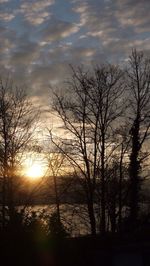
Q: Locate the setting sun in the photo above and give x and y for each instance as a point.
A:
(35, 171)
(34, 166)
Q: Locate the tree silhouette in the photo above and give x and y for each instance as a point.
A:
(88, 111)
(138, 85)
(16, 120)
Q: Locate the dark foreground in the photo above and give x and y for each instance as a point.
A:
(17, 248)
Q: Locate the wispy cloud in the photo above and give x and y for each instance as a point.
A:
(36, 12)
(134, 14)
(6, 17)
(57, 30)
(40, 38)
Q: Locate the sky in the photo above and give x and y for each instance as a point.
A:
(40, 38)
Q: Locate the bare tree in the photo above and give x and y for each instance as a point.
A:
(56, 165)
(138, 84)
(88, 112)
(16, 120)
(107, 99)
(121, 164)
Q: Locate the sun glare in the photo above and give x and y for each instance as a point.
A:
(35, 171)
(34, 166)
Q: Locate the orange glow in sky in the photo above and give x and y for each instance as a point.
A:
(35, 171)
(33, 167)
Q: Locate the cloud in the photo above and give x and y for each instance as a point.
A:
(6, 17)
(37, 5)
(44, 76)
(7, 42)
(115, 24)
(5, 45)
(97, 19)
(35, 19)
(42, 40)
(66, 53)
(86, 13)
(4, 1)
(82, 54)
(57, 30)
(34, 12)
(134, 14)
(17, 54)
(25, 54)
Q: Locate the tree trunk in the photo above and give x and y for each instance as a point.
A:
(103, 203)
(120, 191)
(57, 199)
(134, 174)
(3, 201)
(113, 216)
(92, 217)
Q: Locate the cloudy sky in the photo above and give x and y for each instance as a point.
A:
(40, 38)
